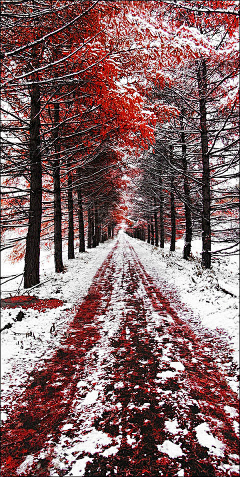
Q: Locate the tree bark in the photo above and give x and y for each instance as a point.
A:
(156, 222)
(152, 231)
(93, 223)
(206, 220)
(70, 218)
(90, 227)
(97, 225)
(32, 256)
(187, 197)
(57, 195)
(161, 197)
(80, 216)
(149, 233)
(173, 211)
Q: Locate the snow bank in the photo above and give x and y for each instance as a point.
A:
(212, 295)
(32, 340)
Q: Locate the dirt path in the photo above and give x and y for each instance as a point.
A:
(131, 392)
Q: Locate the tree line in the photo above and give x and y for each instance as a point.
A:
(92, 90)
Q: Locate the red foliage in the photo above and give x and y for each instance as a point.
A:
(30, 302)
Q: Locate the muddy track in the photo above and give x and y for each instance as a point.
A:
(131, 392)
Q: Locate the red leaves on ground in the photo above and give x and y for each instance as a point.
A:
(30, 302)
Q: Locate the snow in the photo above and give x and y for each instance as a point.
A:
(25, 465)
(30, 341)
(206, 439)
(172, 426)
(197, 298)
(166, 375)
(171, 449)
(177, 365)
(91, 398)
(79, 467)
(201, 290)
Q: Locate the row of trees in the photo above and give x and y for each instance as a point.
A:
(189, 179)
(86, 84)
(63, 115)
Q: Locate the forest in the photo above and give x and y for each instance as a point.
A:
(118, 114)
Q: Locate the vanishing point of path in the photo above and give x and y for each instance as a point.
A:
(132, 391)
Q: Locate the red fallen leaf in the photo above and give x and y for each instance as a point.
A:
(30, 302)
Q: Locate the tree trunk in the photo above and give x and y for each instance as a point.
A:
(90, 226)
(32, 256)
(187, 198)
(70, 217)
(206, 220)
(152, 231)
(80, 216)
(156, 222)
(161, 197)
(97, 226)
(149, 233)
(57, 196)
(93, 227)
(173, 211)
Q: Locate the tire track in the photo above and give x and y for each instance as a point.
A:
(131, 392)
(168, 381)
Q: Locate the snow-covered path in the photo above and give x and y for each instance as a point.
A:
(131, 391)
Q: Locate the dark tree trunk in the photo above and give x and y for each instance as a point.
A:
(161, 197)
(32, 256)
(57, 196)
(112, 231)
(101, 234)
(80, 216)
(70, 217)
(149, 233)
(173, 211)
(156, 222)
(97, 225)
(206, 221)
(109, 231)
(152, 231)
(93, 227)
(187, 198)
(90, 227)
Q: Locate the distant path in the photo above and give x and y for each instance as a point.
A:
(131, 392)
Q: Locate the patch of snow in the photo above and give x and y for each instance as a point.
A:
(79, 467)
(91, 442)
(110, 451)
(172, 450)
(172, 426)
(181, 473)
(166, 374)
(81, 384)
(119, 385)
(26, 464)
(231, 411)
(67, 426)
(206, 439)
(177, 365)
(131, 440)
(91, 398)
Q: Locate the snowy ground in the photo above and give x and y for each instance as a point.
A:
(212, 295)
(31, 340)
(130, 378)
(204, 292)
